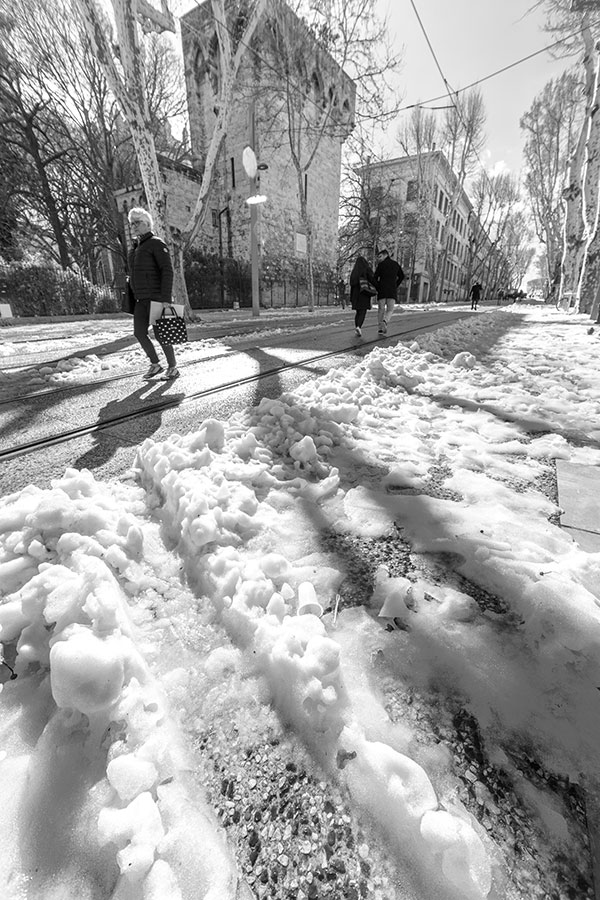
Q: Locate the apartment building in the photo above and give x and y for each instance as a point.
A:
(415, 206)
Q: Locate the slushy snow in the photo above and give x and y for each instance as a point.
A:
(222, 526)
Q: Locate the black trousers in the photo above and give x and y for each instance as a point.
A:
(359, 317)
(141, 323)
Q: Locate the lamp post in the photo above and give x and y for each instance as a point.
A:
(251, 167)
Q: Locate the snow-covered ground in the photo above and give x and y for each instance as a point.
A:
(212, 580)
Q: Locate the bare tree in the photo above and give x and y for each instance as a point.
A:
(462, 140)
(30, 131)
(578, 26)
(418, 137)
(349, 41)
(551, 126)
(496, 201)
(66, 124)
(419, 133)
(123, 64)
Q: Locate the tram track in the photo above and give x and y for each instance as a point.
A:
(240, 331)
(120, 376)
(58, 390)
(166, 403)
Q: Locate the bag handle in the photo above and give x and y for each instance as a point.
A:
(164, 310)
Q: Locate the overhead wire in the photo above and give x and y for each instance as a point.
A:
(433, 53)
(512, 65)
(450, 93)
(454, 93)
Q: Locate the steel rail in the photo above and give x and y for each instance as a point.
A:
(65, 388)
(81, 386)
(167, 403)
(240, 330)
(58, 389)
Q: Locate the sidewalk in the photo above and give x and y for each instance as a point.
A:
(578, 493)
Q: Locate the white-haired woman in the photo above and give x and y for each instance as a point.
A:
(150, 278)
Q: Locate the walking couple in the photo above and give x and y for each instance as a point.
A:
(364, 284)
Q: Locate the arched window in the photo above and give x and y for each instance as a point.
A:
(213, 65)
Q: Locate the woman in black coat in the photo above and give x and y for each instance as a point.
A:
(360, 300)
(150, 278)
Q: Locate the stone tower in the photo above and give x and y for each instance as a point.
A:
(290, 91)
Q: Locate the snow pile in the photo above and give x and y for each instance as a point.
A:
(76, 368)
(218, 502)
(70, 560)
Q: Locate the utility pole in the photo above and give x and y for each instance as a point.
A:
(254, 220)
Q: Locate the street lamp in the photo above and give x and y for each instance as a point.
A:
(252, 167)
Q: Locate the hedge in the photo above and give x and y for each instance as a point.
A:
(46, 290)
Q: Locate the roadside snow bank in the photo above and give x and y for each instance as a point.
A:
(71, 559)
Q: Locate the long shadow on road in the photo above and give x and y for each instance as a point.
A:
(37, 416)
(103, 450)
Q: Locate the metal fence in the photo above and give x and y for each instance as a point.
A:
(49, 291)
(289, 293)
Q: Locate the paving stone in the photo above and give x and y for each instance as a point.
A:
(578, 491)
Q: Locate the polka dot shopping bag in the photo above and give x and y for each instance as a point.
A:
(170, 328)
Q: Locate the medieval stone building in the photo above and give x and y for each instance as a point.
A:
(292, 100)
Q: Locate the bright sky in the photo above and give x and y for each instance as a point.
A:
(471, 39)
(163, 647)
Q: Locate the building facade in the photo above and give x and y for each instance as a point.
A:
(415, 207)
(306, 115)
(182, 183)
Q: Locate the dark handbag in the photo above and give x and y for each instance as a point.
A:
(127, 301)
(366, 287)
(170, 329)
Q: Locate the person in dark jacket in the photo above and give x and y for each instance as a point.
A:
(475, 294)
(150, 278)
(388, 275)
(360, 299)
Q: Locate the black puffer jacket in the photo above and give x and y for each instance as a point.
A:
(150, 269)
(388, 275)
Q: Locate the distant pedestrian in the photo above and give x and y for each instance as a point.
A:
(388, 275)
(475, 294)
(342, 293)
(150, 278)
(359, 297)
